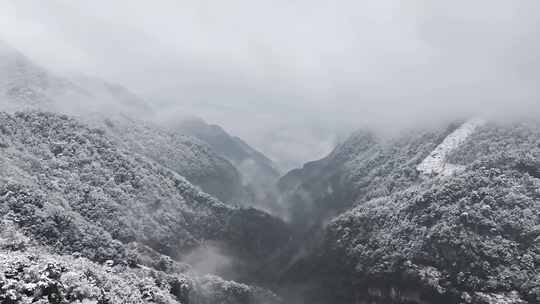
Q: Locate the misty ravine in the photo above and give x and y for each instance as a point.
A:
(378, 152)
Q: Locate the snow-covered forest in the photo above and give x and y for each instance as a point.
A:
(375, 152)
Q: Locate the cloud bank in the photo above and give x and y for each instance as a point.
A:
(292, 76)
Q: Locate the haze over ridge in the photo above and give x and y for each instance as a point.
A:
(298, 74)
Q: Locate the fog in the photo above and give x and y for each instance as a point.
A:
(293, 77)
(209, 259)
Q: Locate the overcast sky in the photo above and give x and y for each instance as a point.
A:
(290, 75)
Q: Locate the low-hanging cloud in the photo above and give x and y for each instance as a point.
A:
(296, 73)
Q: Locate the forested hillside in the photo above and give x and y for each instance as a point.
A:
(185, 155)
(259, 174)
(70, 187)
(25, 85)
(30, 273)
(471, 237)
(365, 166)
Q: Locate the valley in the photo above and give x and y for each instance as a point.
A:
(101, 202)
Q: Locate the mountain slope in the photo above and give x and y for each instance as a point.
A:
(363, 167)
(70, 187)
(259, 173)
(26, 85)
(469, 237)
(73, 188)
(185, 155)
(30, 273)
(113, 97)
(231, 147)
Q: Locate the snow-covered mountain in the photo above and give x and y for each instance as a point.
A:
(108, 207)
(105, 184)
(26, 85)
(111, 97)
(185, 155)
(259, 174)
(387, 233)
(363, 167)
(71, 188)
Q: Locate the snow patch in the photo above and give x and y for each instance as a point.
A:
(436, 163)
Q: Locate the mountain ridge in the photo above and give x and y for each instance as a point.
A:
(124, 115)
(259, 174)
(468, 237)
(77, 191)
